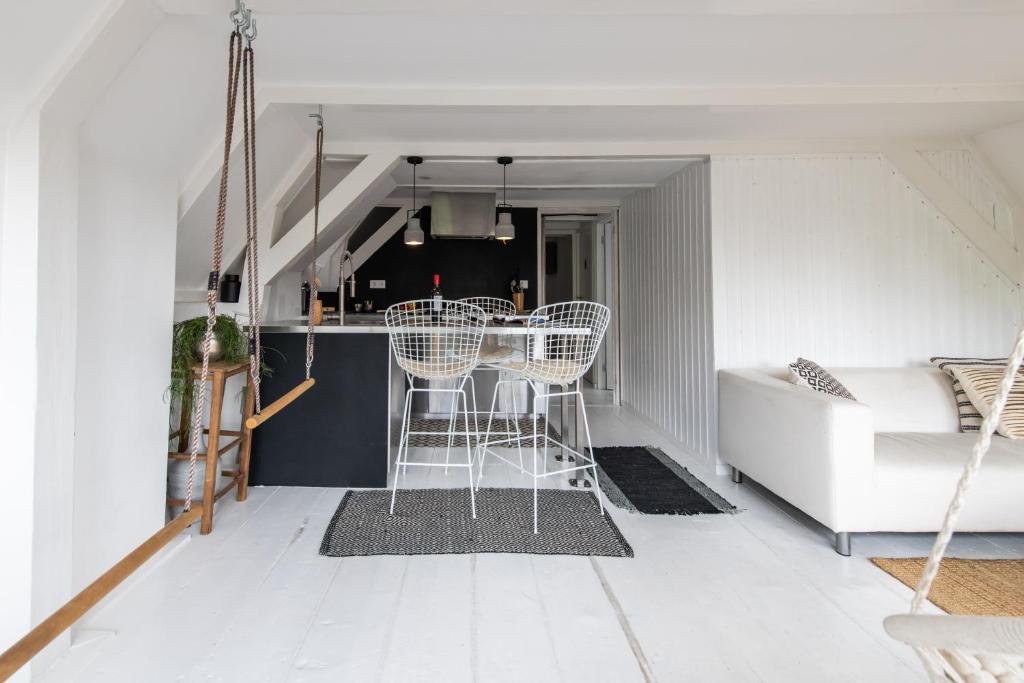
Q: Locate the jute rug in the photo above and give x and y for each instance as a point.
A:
(439, 522)
(966, 587)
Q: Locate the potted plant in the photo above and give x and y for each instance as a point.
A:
(229, 341)
(229, 344)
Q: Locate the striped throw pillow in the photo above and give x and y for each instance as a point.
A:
(975, 384)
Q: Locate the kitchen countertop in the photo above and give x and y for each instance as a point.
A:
(373, 323)
(327, 327)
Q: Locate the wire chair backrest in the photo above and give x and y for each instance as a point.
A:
(435, 344)
(493, 306)
(564, 339)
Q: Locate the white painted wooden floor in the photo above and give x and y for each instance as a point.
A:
(757, 596)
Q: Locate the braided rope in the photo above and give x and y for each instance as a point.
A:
(251, 225)
(314, 283)
(981, 446)
(213, 284)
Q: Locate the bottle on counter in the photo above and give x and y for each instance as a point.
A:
(517, 296)
(435, 299)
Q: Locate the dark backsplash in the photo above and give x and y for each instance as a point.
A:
(468, 267)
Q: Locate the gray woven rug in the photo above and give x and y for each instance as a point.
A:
(440, 425)
(439, 522)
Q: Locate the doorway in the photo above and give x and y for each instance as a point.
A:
(559, 267)
(579, 262)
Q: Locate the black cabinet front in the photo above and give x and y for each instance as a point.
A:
(336, 433)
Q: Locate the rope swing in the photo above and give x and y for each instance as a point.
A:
(235, 56)
(965, 649)
(302, 387)
(240, 71)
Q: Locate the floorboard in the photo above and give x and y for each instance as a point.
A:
(755, 596)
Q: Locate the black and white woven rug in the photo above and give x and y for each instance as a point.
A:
(439, 522)
(440, 425)
(644, 479)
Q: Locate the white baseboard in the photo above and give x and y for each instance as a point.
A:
(720, 468)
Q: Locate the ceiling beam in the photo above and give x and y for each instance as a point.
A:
(380, 236)
(596, 7)
(999, 251)
(340, 210)
(1001, 186)
(649, 148)
(558, 186)
(644, 97)
(209, 167)
(544, 161)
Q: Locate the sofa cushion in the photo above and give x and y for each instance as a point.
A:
(904, 399)
(809, 374)
(915, 476)
(980, 380)
(970, 416)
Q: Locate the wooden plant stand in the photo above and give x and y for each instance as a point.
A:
(218, 376)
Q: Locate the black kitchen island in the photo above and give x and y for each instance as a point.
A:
(344, 431)
(336, 434)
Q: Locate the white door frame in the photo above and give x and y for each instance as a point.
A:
(607, 219)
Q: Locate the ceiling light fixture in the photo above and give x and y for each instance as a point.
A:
(413, 229)
(503, 229)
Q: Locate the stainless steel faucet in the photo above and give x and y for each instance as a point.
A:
(345, 256)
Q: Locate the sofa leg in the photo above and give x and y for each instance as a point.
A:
(843, 543)
(737, 476)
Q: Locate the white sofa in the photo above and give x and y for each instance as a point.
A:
(888, 461)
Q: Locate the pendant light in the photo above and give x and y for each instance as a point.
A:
(503, 229)
(413, 229)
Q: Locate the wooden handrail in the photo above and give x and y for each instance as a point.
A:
(275, 407)
(42, 635)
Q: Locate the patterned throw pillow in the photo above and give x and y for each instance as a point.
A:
(810, 374)
(970, 417)
(977, 381)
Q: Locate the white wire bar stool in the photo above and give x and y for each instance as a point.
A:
(491, 350)
(435, 345)
(562, 343)
(492, 354)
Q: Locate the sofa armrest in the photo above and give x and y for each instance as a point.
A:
(814, 450)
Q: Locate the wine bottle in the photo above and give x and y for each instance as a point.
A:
(305, 298)
(435, 299)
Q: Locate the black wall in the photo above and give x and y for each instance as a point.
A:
(467, 267)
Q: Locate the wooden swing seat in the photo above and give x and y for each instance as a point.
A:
(299, 389)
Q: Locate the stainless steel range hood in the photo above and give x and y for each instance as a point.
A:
(462, 215)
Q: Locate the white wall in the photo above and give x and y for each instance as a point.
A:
(1002, 148)
(836, 258)
(281, 298)
(128, 225)
(666, 355)
(19, 241)
(961, 170)
(55, 425)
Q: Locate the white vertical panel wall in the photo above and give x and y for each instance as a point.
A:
(836, 258)
(665, 307)
(959, 169)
